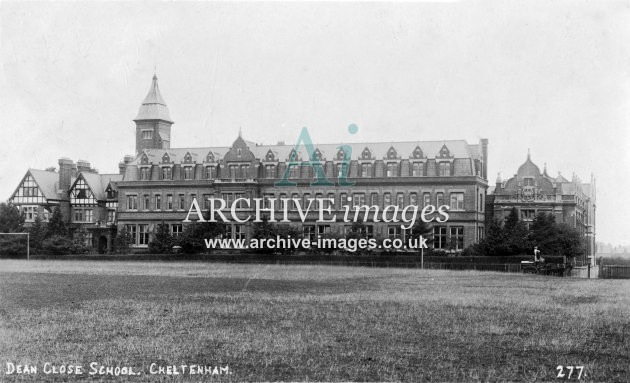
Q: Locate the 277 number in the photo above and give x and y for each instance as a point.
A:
(567, 371)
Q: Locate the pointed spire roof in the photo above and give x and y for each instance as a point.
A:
(153, 107)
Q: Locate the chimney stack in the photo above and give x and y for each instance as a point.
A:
(67, 171)
(83, 166)
(122, 166)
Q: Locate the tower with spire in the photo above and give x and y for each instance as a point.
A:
(153, 123)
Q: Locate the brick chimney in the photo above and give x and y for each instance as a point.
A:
(122, 166)
(83, 166)
(67, 171)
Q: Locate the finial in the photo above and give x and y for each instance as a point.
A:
(240, 131)
(528, 154)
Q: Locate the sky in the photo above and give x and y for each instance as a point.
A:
(551, 77)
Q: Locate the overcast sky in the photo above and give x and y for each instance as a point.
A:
(552, 78)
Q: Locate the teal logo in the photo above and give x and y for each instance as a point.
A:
(315, 163)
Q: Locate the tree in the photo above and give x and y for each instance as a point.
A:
(11, 220)
(56, 225)
(570, 241)
(494, 244)
(421, 229)
(37, 234)
(78, 242)
(123, 241)
(544, 234)
(265, 230)
(192, 240)
(163, 240)
(516, 233)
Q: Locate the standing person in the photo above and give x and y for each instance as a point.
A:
(537, 257)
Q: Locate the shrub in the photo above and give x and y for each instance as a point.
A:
(12, 245)
(58, 245)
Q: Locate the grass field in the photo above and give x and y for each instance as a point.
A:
(311, 323)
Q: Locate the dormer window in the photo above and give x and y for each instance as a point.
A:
(187, 158)
(166, 158)
(270, 157)
(341, 155)
(293, 156)
(445, 169)
(366, 154)
(210, 157)
(144, 160)
(417, 152)
(166, 173)
(188, 173)
(392, 154)
(444, 152)
(317, 155)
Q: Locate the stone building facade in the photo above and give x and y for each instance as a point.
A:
(531, 191)
(160, 184)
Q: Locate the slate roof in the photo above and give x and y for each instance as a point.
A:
(153, 107)
(378, 150)
(98, 182)
(47, 182)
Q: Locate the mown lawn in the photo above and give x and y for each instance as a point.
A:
(311, 323)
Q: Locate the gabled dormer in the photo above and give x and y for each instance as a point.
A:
(444, 152)
(317, 155)
(188, 158)
(210, 157)
(392, 154)
(270, 156)
(81, 193)
(166, 158)
(417, 153)
(144, 159)
(366, 154)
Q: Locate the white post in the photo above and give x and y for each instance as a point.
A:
(28, 246)
(421, 257)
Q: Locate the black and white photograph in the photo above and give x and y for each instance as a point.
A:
(209, 191)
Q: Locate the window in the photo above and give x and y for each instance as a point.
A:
(528, 181)
(158, 202)
(240, 203)
(480, 233)
(366, 170)
(439, 237)
(144, 174)
(331, 196)
(439, 199)
(413, 198)
(211, 172)
(147, 203)
(342, 170)
(417, 169)
(233, 171)
(132, 202)
(309, 232)
(374, 199)
(176, 229)
(393, 232)
(280, 203)
(239, 232)
(481, 202)
(426, 199)
(143, 234)
(294, 171)
(111, 216)
(188, 173)
(166, 173)
(131, 229)
(270, 171)
(88, 239)
(457, 237)
(400, 200)
(29, 212)
(244, 171)
(457, 201)
(343, 200)
(182, 202)
(445, 169)
(169, 202)
(392, 169)
(78, 215)
(267, 197)
(387, 199)
(147, 134)
(305, 198)
(88, 215)
(358, 199)
(295, 198)
(528, 214)
(206, 201)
